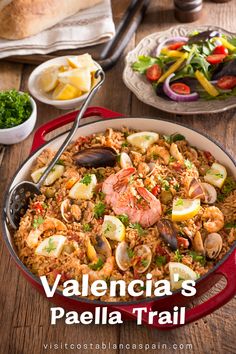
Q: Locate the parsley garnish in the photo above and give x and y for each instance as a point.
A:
(230, 225)
(86, 180)
(160, 260)
(124, 219)
(99, 176)
(60, 162)
(98, 265)
(124, 144)
(130, 252)
(227, 188)
(188, 164)
(171, 159)
(51, 246)
(198, 258)
(138, 227)
(178, 256)
(38, 222)
(144, 262)
(87, 227)
(99, 210)
(101, 195)
(173, 138)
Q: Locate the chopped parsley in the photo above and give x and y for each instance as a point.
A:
(87, 179)
(130, 252)
(228, 187)
(144, 262)
(188, 164)
(173, 138)
(97, 266)
(124, 144)
(51, 246)
(60, 162)
(176, 187)
(160, 260)
(124, 219)
(179, 202)
(171, 159)
(87, 227)
(137, 227)
(99, 175)
(230, 225)
(178, 256)
(198, 258)
(99, 210)
(38, 221)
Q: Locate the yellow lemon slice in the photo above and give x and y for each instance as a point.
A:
(184, 209)
(84, 188)
(55, 173)
(178, 273)
(65, 92)
(51, 246)
(113, 228)
(79, 78)
(91, 252)
(143, 140)
(216, 175)
(48, 79)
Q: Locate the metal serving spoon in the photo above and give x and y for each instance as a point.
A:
(20, 194)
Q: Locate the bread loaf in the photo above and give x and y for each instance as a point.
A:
(24, 18)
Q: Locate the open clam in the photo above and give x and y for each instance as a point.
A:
(168, 233)
(123, 260)
(99, 249)
(142, 258)
(99, 156)
(213, 245)
(69, 211)
(210, 193)
(197, 243)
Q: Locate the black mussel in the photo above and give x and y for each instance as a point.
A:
(168, 233)
(100, 156)
(203, 36)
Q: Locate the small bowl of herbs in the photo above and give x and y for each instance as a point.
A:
(18, 113)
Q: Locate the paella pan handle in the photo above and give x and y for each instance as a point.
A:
(41, 132)
(227, 269)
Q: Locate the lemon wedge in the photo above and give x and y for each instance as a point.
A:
(184, 209)
(51, 246)
(91, 252)
(143, 140)
(113, 228)
(56, 172)
(125, 160)
(82, 61)
(65, 92)
(183, 273)
(79, 78)
(48, 79)
(84, 188)
(216, 175)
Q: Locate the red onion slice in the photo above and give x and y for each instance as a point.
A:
(175, 96)
(169, 41)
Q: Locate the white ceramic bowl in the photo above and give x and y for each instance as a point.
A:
(37, 92)
(20, 132)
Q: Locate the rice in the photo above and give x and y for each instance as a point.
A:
(170, 175)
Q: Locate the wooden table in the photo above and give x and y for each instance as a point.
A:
(24, 316)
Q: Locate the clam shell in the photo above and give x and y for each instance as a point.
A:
(145, 253)
(122, 258)
(213, 245)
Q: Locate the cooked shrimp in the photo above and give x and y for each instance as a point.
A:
(116, 184)
(214, 219)
(48, 224)
(145, 211)
(103, 273)
(175, 152)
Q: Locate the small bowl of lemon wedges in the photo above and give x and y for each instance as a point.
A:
(64, 82)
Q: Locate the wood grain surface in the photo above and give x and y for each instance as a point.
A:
(24, 314)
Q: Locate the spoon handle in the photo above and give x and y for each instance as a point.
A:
(74, 127)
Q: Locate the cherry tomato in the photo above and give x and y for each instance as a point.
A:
(176, 45)
(227, 82)
(153, 73)
(215, 58)
(180, 88)
(38, 207)
(156, 190)
(220, 49)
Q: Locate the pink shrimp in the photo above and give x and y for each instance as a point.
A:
(121, 196)
(116, 184)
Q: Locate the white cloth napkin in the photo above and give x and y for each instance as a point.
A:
(89, 27)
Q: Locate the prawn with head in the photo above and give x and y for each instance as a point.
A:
(138, 203)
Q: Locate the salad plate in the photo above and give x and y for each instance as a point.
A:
(195, 59)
